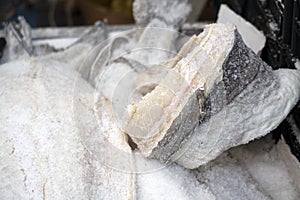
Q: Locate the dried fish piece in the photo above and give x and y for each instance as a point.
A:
(253, 113)
(60, 140)
(243, 99)
(140, 49)
(198, 65)
(44, 152)
(129, 53)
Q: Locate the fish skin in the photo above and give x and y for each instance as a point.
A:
(241, 67)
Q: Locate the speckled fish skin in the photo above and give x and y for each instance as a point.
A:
(257, 110)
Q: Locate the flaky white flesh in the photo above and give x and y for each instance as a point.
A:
(201, 66)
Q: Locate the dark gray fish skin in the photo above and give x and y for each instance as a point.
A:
(241, 67)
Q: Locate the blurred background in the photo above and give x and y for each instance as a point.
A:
(279, 20)
(42, 13)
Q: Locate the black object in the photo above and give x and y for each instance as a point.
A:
(289, 132)
(280, 22)
(2, 46)
(296, 29)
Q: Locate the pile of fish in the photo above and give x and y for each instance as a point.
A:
(147, 113)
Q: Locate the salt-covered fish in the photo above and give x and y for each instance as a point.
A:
(216, 95)
(44, 152)
(59, 140)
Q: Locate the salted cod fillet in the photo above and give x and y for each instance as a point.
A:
(216, 95)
